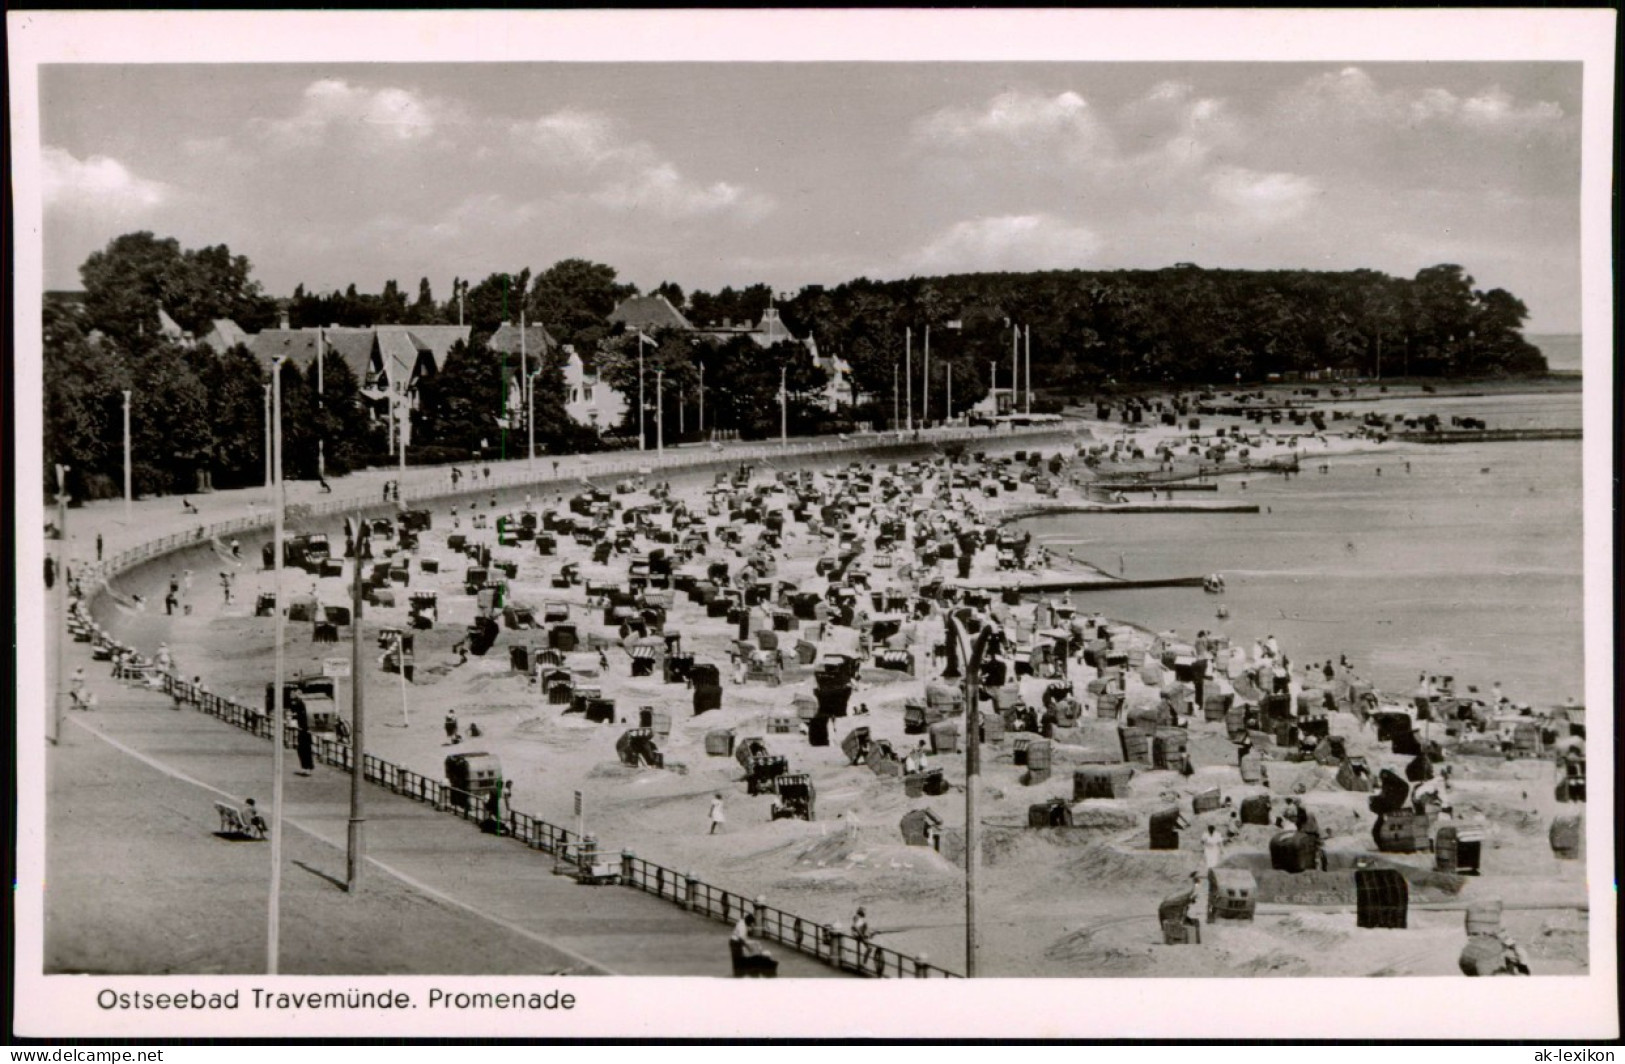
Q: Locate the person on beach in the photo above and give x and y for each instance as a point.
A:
(717, 816)
(451, 725)
(98, 546)
(1212, 848)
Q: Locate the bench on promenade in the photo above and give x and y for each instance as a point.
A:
(233, 821)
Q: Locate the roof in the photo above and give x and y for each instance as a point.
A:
(399, 349)
(168, 326)
(506, 339)
(296, 345)
(354, 346)
(224, 334)
(648, 312)
(439, 339)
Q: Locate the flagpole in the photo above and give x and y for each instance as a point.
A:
(640, 391)
(1029, 342)
(273, 922)
(925, 381)
(908, 372)
(358, 745)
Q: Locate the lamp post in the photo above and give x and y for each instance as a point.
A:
(530, 390)
(62, 635)
(277, 714)
(405, 421)
(784, 410)
(640, 391)
(925, 381)
(355, 849)
(702, 401)
(660, 411)
(1015, 365)
(908, 373)
(973, 769)
(270, 488)
(321, 410)
(1028, 408)
(129, 496)
(530, 408)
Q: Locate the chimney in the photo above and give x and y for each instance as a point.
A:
(282, 319)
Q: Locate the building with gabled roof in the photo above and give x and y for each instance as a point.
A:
(649, 313)
(223, 335)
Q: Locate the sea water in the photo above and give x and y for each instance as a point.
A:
(1468, 565)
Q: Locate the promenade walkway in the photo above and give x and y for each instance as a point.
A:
(139, 882)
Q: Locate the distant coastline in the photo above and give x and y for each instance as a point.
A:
(1562, 350)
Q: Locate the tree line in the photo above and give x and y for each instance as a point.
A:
(197, 417)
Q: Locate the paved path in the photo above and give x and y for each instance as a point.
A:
(181, 761)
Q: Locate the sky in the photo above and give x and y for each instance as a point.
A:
(713, 174)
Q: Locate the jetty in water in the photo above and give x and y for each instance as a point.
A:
(1490, 435)
(1053, 581)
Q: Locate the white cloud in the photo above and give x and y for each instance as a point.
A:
(633, 174)
(98, 183)
(662, 189)
(572, 137)
(379, 116)
(1017, 117)
(1008, 242)
(1266, 197)
(1353, 95)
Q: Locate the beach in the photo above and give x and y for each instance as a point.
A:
(1076, 901)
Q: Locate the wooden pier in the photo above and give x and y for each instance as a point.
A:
(1490, 435)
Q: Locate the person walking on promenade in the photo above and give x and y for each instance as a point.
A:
(98, 546)
(860, 935)
(717, 816)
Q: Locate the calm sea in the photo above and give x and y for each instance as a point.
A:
(1468, 565)
(1562, 350)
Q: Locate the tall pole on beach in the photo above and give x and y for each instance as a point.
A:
(701, 425)
(1014, 366)
(908, 372)
(270, 486)
(1029, 407)
(530, 391)
(277, 714)
(784, 410)
(62, 635)
(660, 411)
(321, 407)
(925, 381)
(129, 496)
(973, 769)
(405, 416)
(354, 851)
(640, 391)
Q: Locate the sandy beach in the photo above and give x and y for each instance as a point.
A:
(1073, 901)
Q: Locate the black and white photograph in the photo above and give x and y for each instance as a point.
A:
(515, 507)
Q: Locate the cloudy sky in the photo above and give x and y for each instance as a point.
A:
(794, 173)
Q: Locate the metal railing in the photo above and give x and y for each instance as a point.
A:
(823, 942)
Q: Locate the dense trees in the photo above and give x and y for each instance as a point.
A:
(573, 299)
(460, 405)
(137, 275)
(1179, 324)
(198, 418)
